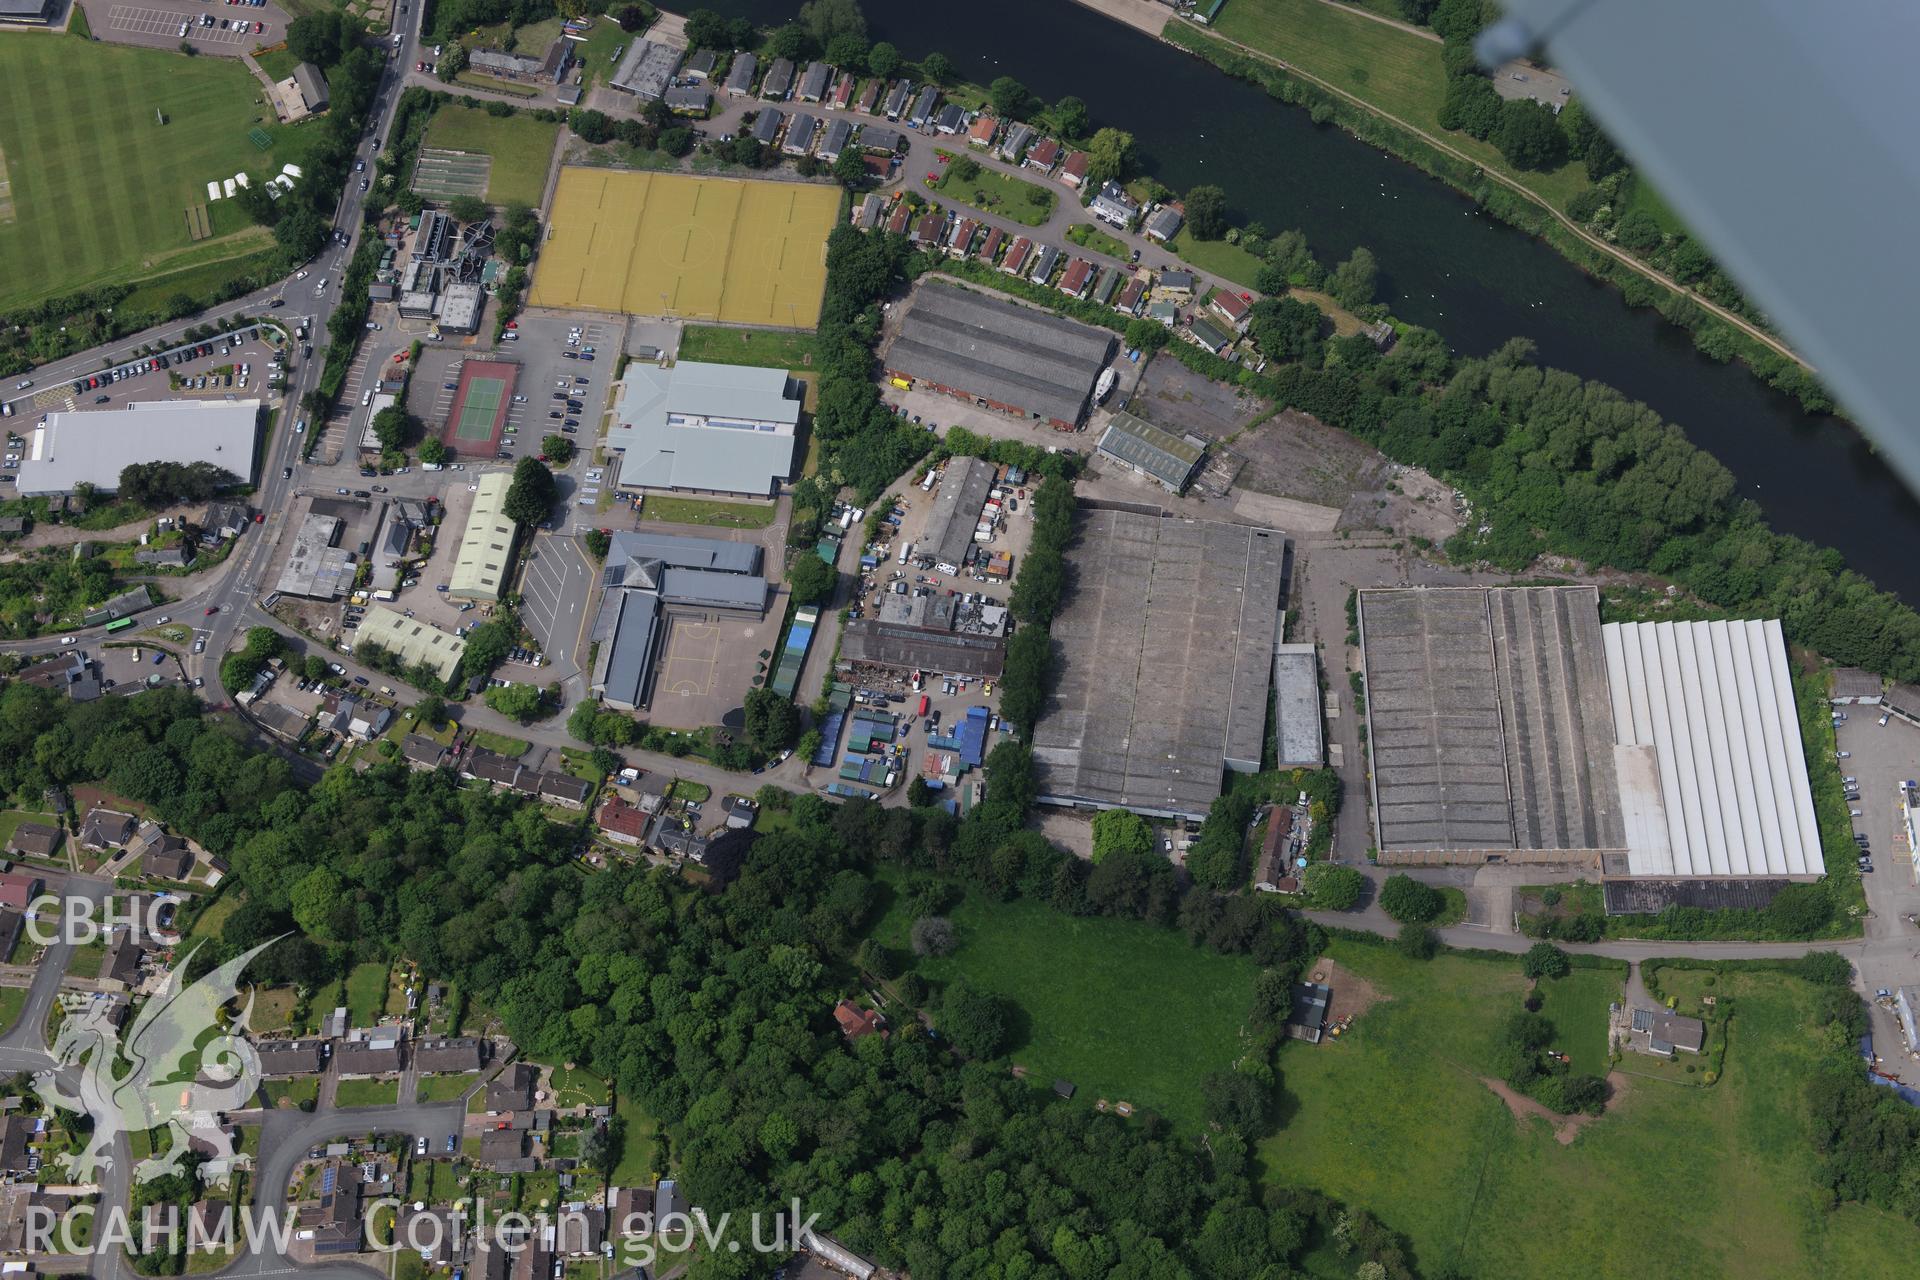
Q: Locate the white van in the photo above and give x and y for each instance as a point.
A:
(367, 399)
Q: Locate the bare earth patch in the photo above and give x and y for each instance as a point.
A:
(1353, 995)
(1565, 1128)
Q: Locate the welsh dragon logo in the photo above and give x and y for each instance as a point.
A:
(176, 1067)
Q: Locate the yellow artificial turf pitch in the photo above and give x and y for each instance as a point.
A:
(726, 249)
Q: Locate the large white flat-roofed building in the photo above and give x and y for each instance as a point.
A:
(1165, 643)
(485, 557)
(1713, 774)
(73, 449)
(1508, 724)
(705, 428)
(413, 641)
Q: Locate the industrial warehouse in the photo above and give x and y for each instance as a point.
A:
(998, 355)
(645, 576)
(72, 449)
(1166, 651)
(705, 428)
(1510, 725)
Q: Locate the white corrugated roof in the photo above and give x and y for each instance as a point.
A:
(1712, 773)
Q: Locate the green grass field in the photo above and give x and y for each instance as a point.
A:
(366, 1093)
(294, 1092)
(366, 993)
(12, 1001)
(99, 187)
(521, 148)
(635, 1166)
(1088, 236)
(726, 515)
(573, 1087)
(1000, 193)
(1126, 1010)
(1392, 1119)
(1397, 71)
(765, 348)
(442, 1088)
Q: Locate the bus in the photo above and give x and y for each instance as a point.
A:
(119, 624)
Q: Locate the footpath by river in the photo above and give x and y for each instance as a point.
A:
(1443, 264)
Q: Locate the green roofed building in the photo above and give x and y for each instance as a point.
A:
(485, 558)
(1139, 446)
(413, 641)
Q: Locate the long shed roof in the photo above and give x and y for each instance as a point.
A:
(1003, 352)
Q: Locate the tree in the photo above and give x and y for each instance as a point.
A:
(933, 936)
(1207, 212)
(877, 960)
(530, 497)
(451, 64)
(1148, 335)
(1070, 118)
(1331, 887)
(883, 59)
(1011, 99)
(390, 428)
(1110, 155)
(430, 710)
(825, 19)
(522, 702)
(937, 67)
(590, 125)
(633, 17)
(320, 38)
(434, 451)
(1287, 329)
(772, 721)
(1529, 135)
(975, 1021)
(963, 168)
(790, 42)
(849, 169)
(1544, 960)
(1405, 899)
(677, 141)
(314, 667)
(1120, 831)
(812, 580)
(1234, 1101)
(558, 449)
(467, 208)
(1353, 281)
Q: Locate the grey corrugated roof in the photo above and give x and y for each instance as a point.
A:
(727, 428)
(717, 590)
(685, 553)
(813, 85)
(779, 79)
(1162, 455)
(766, 126)
(1010, 354)
(740, 74)
(800, 133)
(646, 69)
(956, 509)
(95, 447)
(877, 137)
(950, 653)
(628, 665)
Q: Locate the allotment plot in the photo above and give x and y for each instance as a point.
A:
(737, 251)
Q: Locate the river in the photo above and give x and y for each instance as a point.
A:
(1444, 265)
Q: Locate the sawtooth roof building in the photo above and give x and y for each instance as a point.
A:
(413, 640)
(73, 449)
(1166, 645)
(705, 428)
(645, 575)
(999, 355)
(485, 558)
(1508, 724)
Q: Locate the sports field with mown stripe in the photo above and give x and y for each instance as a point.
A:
(99, 189)
(726, 249)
